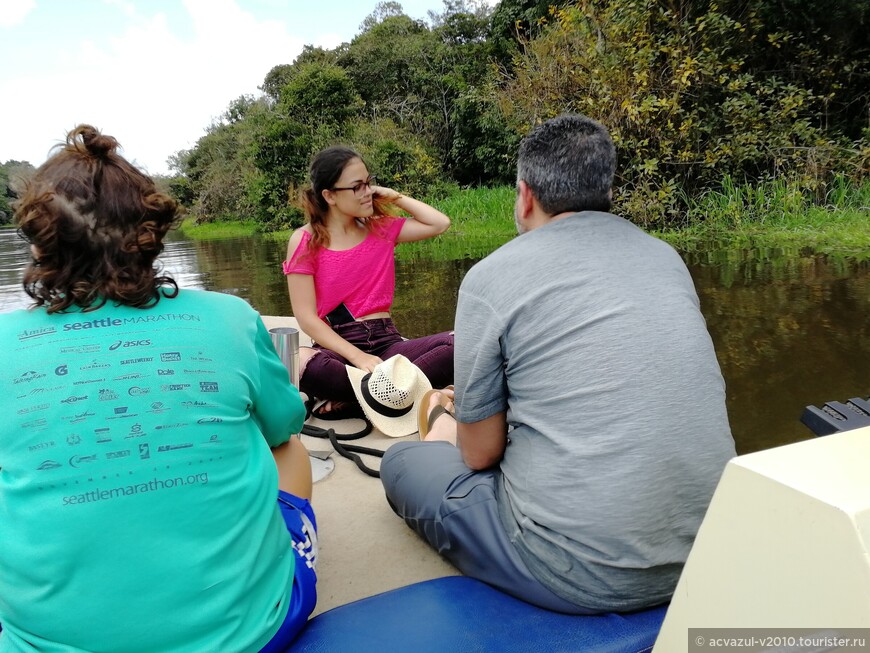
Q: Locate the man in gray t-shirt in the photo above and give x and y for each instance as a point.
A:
(590, 423)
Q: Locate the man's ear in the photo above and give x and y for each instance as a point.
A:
(525, 200)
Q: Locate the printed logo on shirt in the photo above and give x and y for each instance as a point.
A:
(137, 391)
(170, 357)
(163, 448)
(165, 372)
(61, 370)
(73, 440)
(30, 334)
(92, 324)
(37, 424)
(33, 409)
(196, 404)
(137, 361)
(49, 464)
(168, 317)
(208, 386)
(132, 376)
(107, 394)
(112, 455)
(73, 399)
(39, 391)
(102, 435)
(209, 420)
(129, 343)
(50, 444)
(158, 407)
(28, 377)
(81, 417)
(174, 387)
(80, 349)
(121, 413)
(76, 461)
(95, 365)
(167, 427)
(135, 432)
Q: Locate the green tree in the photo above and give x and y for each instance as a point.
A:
(484, 145)
(282, 74)
(320, 95)
(278, 150)
(518, 21)
(414, 75)
(401, 159)
(693, 91)
(215, 172)
(676, 92)
(11, 175)
(383, 10)
(384, 63)
(821, 46)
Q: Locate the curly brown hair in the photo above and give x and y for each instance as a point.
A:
(96, 224)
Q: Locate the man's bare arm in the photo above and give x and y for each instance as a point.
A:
(482, 443)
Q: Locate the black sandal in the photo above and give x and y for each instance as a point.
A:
(424, 421)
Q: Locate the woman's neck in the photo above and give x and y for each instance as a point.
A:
(341, 224)
(345, 231)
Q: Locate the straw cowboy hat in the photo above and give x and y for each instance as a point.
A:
(390, 394)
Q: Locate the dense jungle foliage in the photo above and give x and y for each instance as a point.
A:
(694, 92)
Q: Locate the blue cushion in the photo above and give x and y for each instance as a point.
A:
(458, 613)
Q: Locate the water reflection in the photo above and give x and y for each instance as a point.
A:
(789, 331)
(790, 328)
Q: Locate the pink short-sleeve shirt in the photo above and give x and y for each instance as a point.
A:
(363, 277)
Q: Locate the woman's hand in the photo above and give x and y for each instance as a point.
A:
(384, 193)
(365, 361)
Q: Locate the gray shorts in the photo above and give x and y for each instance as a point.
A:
(454, 509)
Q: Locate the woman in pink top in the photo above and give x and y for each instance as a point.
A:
(341, 275)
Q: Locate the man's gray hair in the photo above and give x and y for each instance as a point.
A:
(569, 163)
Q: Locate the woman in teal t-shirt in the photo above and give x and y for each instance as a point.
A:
(151, 495)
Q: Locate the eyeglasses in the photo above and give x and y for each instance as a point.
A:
(359, 189)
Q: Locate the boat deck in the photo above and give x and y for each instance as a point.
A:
(365, 548)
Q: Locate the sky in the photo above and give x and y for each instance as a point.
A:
(152, 73)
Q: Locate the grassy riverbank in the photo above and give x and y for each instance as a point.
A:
(768, 215)
(217, 230)
(778, 215)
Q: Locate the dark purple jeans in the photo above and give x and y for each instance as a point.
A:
(326, 378)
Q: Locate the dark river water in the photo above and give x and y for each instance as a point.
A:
(790, 328)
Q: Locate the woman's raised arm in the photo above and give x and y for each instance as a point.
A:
(426, 222)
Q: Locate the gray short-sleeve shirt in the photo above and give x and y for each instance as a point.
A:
(588, 333)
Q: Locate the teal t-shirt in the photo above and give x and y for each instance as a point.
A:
(137, 489)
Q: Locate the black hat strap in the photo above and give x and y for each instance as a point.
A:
(377, 406)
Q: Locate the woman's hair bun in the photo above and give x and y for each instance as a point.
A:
(89, 139)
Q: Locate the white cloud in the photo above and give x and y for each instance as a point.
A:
(13, 12)
(153, 80)
(153, 89)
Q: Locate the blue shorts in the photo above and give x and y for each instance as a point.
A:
(299, 517)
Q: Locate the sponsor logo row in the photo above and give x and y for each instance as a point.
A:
(143, 452)
(29, 376)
